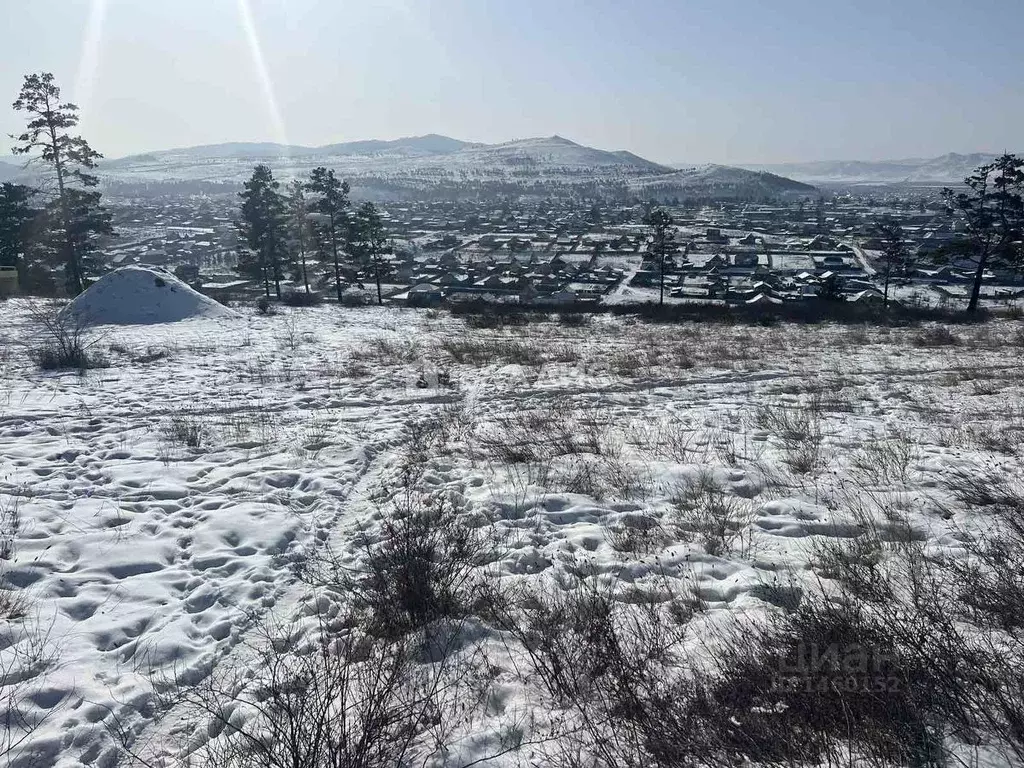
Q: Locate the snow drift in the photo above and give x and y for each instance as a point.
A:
(138, 295)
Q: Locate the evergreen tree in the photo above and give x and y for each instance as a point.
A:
(87, 220)
(262, 230)
(663, 243)
(299, 231)
(369, 243)
(70, 158)
(895, 260)
(330, 204)
(16, 218)
(992, 209)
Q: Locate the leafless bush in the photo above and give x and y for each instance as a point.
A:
(10, 522)
(800, 430)
(420, 567)
(604, 665)
(935, 336)
(301, 298)
(249, 425)
(953, 620)
(389, 351)
(886, 459)
(981, 488)
(498, 317)
(331, 697)
(573, 319)
(265, 306)
(493, 351)
(705, 509)
(547, 431)
(638, 534)
(186, 429)
(671, 437)
(29, 652)
(598, 476)
(62, 341)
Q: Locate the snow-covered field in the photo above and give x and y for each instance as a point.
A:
(163, 511)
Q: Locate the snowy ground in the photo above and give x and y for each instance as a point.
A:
(164, 506)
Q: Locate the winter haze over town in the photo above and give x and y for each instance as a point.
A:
(493, 384)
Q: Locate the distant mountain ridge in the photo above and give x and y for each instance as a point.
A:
(440, 166)
(950, 168)
(551, 151)
(429, 144)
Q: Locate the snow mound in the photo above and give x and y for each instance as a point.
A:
(138, 295)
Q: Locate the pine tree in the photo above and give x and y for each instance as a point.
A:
(895, 260)
(663, 243)
(299, 229)
(262, 230)
(993, 213)
(16, 218)
(369, 243)
(70, 158)
(330, 204)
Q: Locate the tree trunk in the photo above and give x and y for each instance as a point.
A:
(71, 264)
(885, 292)
(302, 258)
(661, 295)
(376, 275)
(979, 275)
(337, 267)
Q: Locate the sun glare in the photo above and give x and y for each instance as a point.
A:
(263, 75)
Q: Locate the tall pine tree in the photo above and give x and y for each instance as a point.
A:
(330, 204)
(895, 260)
(663, 243)
(262, 230)
(992, 210)
(298, 229)
(79, 217)
(369, 243)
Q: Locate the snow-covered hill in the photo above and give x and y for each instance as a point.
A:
(440, 165)
(948, 168)
(414, 160)
(719, 181)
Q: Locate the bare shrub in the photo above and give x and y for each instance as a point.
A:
(547, 431)
(250, 425)
(935, 336)
(62, 341)
(29, 652)
(500, 317)
(420, 567)
(605, 666)
(952, 621)
(335, 697)
(707, 510)
(492, 351)
(886, 459)
(642, 535)
(573, 319)
(301, 298)
(186, 429)
(800, 430)
(265, 306)
(671, 437)
(389, 350)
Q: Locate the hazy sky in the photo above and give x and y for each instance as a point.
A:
(673, 80)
